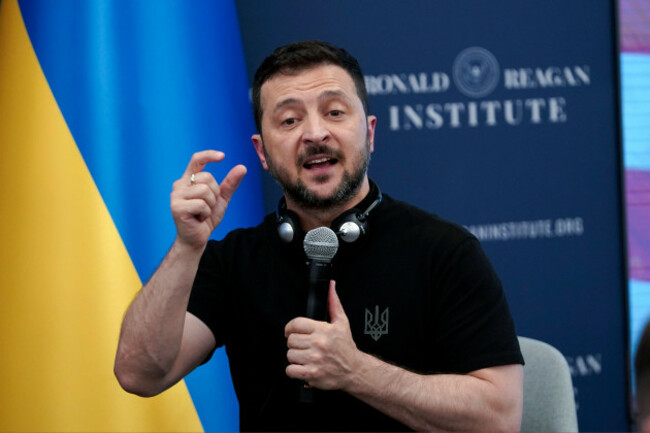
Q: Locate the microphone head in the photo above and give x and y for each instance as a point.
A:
(321, 243)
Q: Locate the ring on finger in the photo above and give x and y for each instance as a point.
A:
(193, 179)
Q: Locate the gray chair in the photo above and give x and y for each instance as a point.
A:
(549, 403)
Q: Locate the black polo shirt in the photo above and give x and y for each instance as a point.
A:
(418, 291)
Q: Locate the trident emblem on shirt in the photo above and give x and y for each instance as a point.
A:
(376, 324)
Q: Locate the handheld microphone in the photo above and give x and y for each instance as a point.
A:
(320, 245)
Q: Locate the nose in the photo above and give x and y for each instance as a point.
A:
(315, 130)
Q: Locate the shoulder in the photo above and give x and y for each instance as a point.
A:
(243, 239)
(411, 221)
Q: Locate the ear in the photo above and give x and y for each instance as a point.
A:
(259, 148)
(372, 122)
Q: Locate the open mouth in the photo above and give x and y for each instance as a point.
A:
(321, 162)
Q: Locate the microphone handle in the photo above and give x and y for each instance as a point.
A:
(320, 274)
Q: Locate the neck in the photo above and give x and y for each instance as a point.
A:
(312, 218)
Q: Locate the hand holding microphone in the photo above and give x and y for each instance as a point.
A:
(318, 350)
(323, 354)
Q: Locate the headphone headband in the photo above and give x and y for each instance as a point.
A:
(349, 226)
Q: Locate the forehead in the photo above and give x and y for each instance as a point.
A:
(307, 83)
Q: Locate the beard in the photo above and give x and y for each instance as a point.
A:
(299, 193)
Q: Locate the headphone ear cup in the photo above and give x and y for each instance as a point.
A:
(288, 228)
(286, 231)
(348, 227)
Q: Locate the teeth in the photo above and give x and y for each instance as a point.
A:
(318, 161)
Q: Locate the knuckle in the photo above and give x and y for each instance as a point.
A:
(206, 209)
(201, 188)
(176, 204)
(316, 374)
(177, 185)
(316, 358)
(320, 342)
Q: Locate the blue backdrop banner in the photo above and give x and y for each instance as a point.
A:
(502, 116)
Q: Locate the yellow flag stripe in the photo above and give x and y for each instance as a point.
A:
(65, 275)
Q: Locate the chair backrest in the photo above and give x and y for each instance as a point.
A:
(549, 402)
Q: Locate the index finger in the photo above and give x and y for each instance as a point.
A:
(300, 325)
(201, 159)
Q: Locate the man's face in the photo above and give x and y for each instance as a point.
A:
(317, 139)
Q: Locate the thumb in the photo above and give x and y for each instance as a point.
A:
(337, 314)
(232, 180)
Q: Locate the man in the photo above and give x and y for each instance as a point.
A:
(419, 333)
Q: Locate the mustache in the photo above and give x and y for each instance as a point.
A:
(320, 149)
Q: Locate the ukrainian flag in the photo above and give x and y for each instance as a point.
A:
(102, 104)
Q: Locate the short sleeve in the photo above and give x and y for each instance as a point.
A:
(474, 326)
(208, 297)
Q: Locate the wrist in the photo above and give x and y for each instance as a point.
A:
(360, 374)
(183, 250)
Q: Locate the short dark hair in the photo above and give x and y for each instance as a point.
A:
(303, 55)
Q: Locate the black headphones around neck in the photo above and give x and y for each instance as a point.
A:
(349, 226)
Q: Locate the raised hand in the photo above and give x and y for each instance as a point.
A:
(198, 202)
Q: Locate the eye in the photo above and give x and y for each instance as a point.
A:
(336, 113)
(290, 121)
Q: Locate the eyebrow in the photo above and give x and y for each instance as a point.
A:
(327, 94)
(284, 103)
